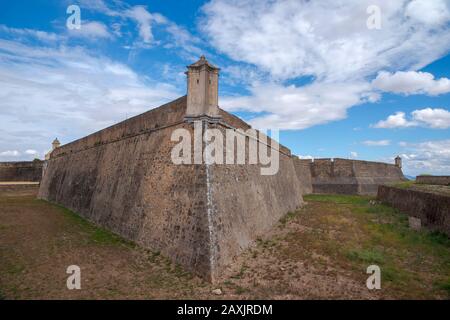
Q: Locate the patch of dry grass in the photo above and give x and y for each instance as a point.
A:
(320, 251)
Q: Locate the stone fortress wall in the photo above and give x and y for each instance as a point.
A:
(128, 184)
(345, 176)
(199, 215)
(24, 171)
(439, 180)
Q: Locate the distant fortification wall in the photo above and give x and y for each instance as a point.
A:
(344, 176)
(201, 216)
(303, 171)
(30, 171)
(440, 180)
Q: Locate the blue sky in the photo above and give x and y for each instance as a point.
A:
(313, 69)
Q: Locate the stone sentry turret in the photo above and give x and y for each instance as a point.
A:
(398, 162)
(203, 91)
(55, 144)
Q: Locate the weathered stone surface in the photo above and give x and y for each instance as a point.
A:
(433, 210)
(245, 204)
(344, 176)
(199, 215)
(21, 171)
(414, 223)
(439, 180)
(303, 171)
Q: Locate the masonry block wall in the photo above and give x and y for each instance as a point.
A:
(432, 209)
(439, 180)
(246, 204)
(29, 171)
(201, 216)
(303, 171)
(344, 176)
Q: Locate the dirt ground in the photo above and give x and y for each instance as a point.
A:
(319, 252)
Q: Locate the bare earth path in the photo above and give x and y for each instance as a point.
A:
(321, 251)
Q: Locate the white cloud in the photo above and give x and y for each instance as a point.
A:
(431, 157)
(434, 118)
(377, 143)
(305, 157)
(144, 21)
(10, 153)
(294, 107)
(428, 12)
(119, 9)
(327, 41)
(178, 36)
(91, 30)
(397, 120)
(181, 38)
(411, 82)
(428, 117)
(353, 154)
(25, 33)
(31, 152)
(67, 92)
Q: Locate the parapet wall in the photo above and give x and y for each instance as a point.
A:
(169, 114)
(30, 171)
(440, 180)
(344, 176)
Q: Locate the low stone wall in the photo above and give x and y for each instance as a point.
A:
(21, 171)
(433, 210)
(440, 180)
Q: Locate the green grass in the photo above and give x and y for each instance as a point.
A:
(366, 255)
(445, 285)
(381, 236)
(15, 268)
(289, 216)
(404, 184)
(338, 199)
(96, 234)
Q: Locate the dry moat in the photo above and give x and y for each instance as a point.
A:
(319, 251)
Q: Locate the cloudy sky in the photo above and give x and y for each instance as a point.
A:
(336, 80)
